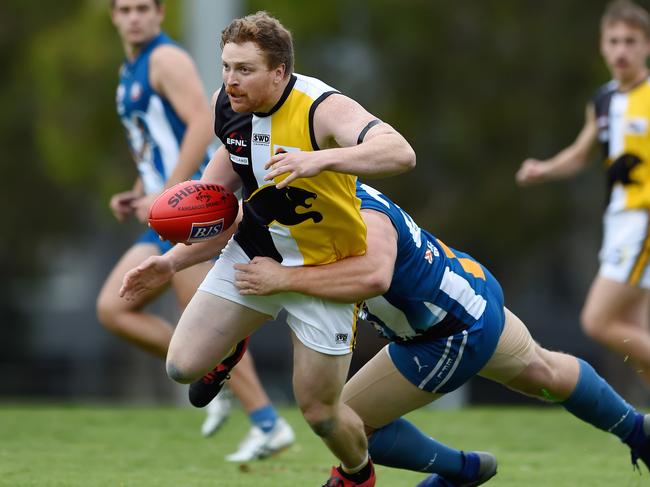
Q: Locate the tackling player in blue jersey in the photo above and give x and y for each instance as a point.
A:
(444, 314)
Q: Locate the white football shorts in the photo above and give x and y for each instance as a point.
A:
(624, 256)
(325, 326)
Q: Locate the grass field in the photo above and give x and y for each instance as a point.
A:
(48, 446)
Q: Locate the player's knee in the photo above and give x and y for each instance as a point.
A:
(176, 373)
(534, 379)
(538, 376)
(591, 325)
(106, 313)
(551, 376)
(319, 416)
(323, 427)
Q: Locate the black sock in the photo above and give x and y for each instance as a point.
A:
(359, 477)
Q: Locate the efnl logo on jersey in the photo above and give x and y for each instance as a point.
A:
(205, 230)
(237, 147)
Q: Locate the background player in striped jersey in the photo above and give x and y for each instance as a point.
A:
(162, 105)
(444, 315)
(617, 308)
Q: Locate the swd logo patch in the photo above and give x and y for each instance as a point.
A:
(205, 230)
(341, 338)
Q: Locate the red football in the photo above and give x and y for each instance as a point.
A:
(193, 211)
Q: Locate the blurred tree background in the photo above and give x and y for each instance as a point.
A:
(476, 87)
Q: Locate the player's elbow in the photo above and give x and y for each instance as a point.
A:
(376, 283)
(404, 157)
(578, 155)
(409, 158)
(581, 161)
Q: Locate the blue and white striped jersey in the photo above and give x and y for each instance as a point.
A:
(154, 129)
(433, 285)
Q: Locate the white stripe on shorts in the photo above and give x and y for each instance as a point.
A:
(438, 365)
(456, 363)
(443, 360)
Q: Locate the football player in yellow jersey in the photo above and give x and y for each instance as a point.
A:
(617, 309)
(294, 146)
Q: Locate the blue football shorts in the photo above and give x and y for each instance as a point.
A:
(151, 237)
(444, 364)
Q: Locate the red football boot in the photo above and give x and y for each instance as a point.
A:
(207, 387)
(337, 479)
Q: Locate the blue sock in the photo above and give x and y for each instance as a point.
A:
(471, 466)
(594, 401)
(637, 437)
(401, 445)
(264, 418)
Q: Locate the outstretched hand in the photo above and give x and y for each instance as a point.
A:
(532, 171)
(299, 164)
(261, 277)
(151, 274)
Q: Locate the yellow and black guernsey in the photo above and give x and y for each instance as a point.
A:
(623, 120)
(313, 220)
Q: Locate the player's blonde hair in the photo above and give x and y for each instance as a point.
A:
(265, 31)
(629, 13)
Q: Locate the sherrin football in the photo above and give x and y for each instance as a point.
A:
(193, 211)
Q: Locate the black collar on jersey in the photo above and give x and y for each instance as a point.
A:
(634, 86)
(284, 96)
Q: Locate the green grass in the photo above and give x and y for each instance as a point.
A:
(49, 446)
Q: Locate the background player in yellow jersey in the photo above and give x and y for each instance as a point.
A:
(276, 124)
(617, 309)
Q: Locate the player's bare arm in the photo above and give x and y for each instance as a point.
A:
(158, 270)
(348, 280)
(568, 161)
(174, 75)
(219, 171)
(338, 123)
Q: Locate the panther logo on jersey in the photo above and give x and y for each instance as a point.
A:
(270, 204)
(620, 170)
